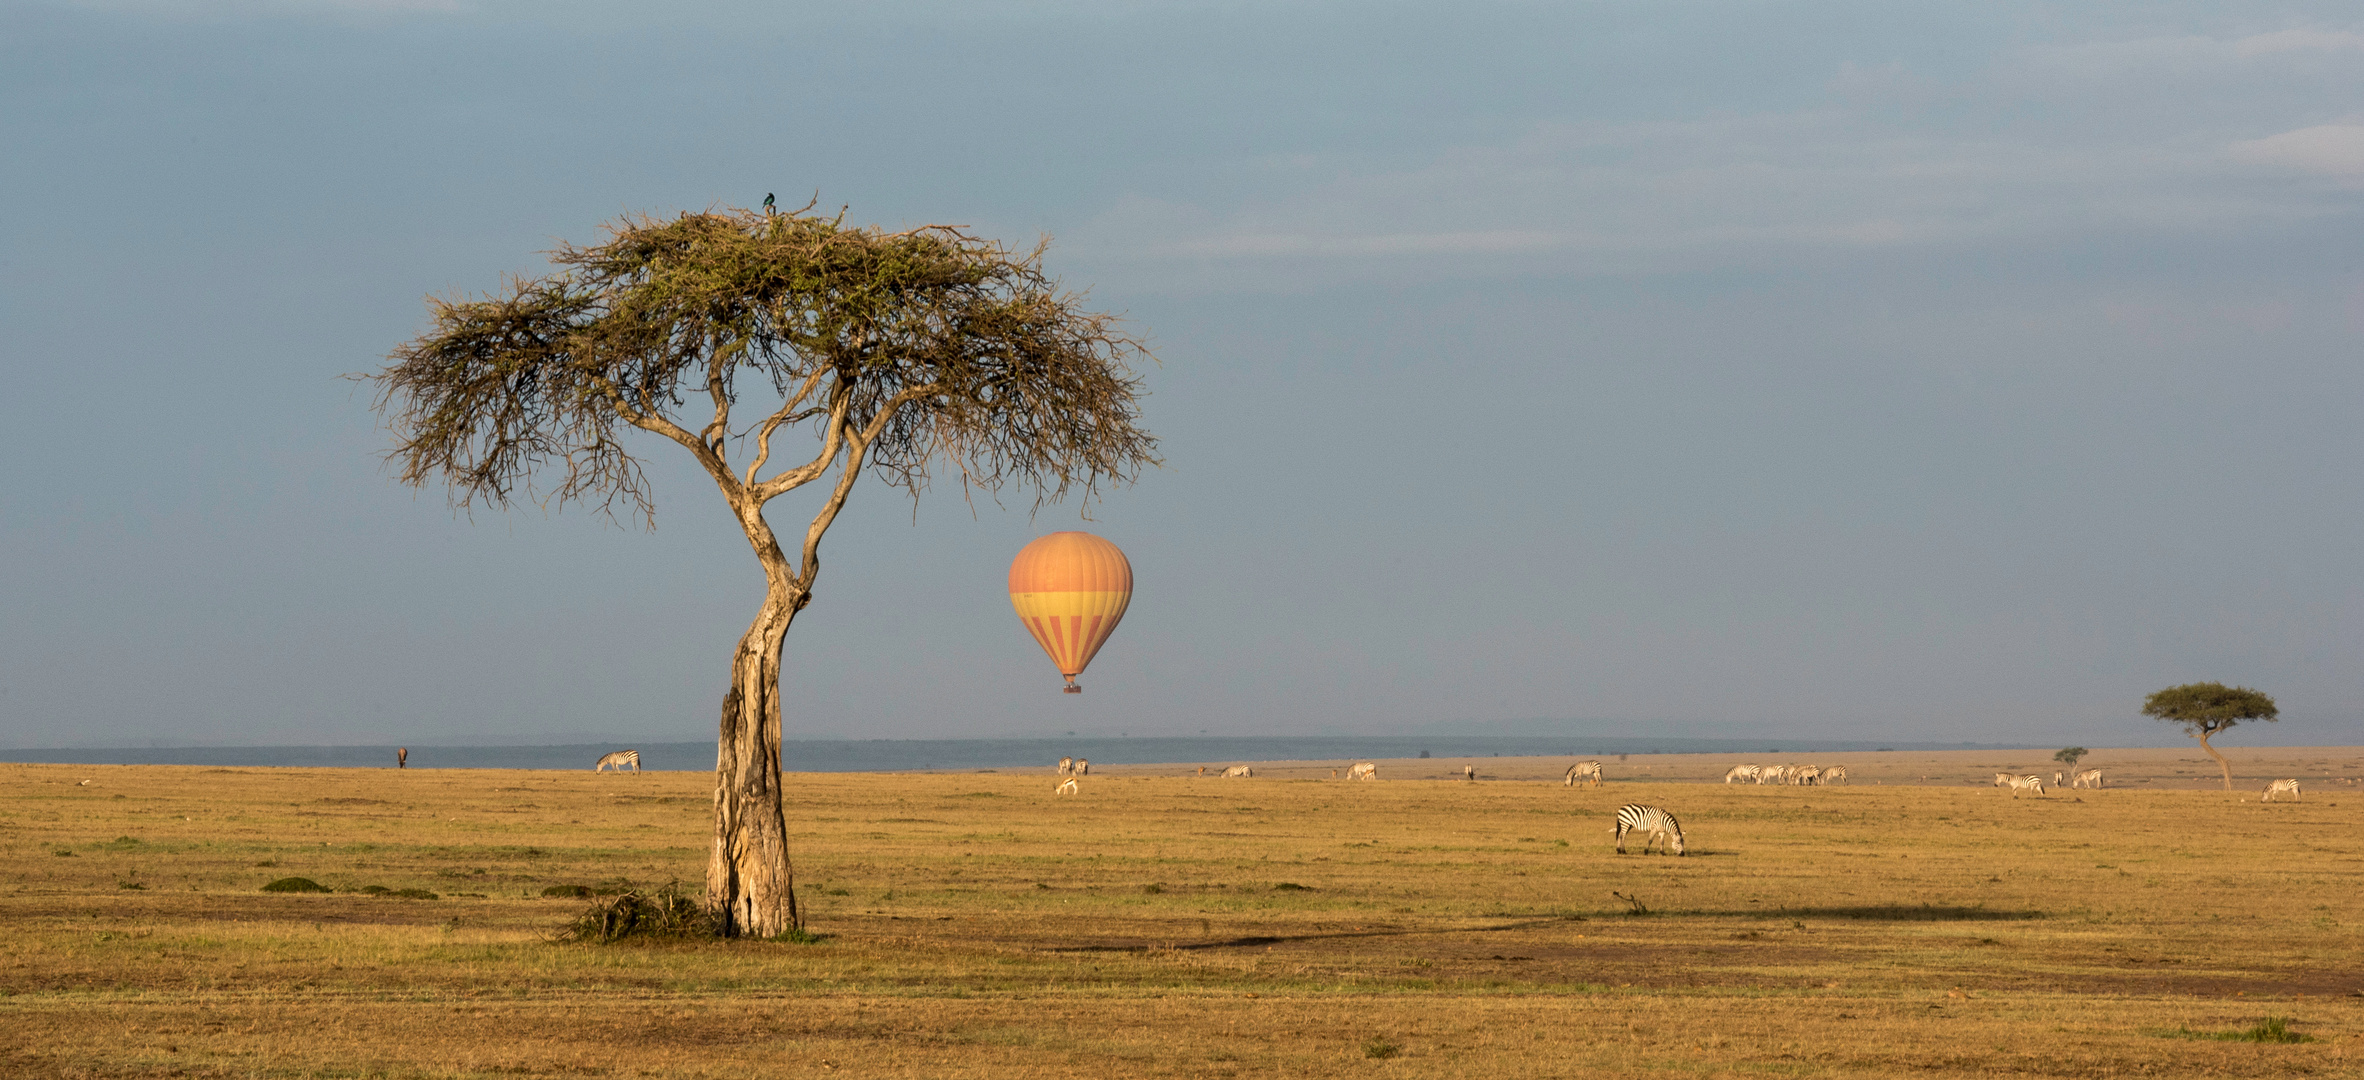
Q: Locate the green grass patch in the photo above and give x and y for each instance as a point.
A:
(2272, 1029)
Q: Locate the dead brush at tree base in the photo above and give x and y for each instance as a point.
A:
(664, 914)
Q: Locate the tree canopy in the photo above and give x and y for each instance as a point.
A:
(2069, 756)
(2207, 708)
(1014, 380)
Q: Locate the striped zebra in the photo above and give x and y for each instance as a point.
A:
(618, 760)
(1067, 788)
(1836, 774)
(1741, 772)
(1362, 770)
(1083, 767)
(2004, 779)
(1066, 766)
(1658, 824)
(2030, 782)
(1239, 770)
(1584, 770)
(2087, 778)
(1809, 775)
(1773, 774)
(2284, 787)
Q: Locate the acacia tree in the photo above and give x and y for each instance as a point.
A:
(895, 352)
(2206, 708)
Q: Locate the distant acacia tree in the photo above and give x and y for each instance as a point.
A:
(2207, 708)
(894, 351)
(2069, 756)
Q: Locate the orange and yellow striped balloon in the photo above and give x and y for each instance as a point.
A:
(1070, 589)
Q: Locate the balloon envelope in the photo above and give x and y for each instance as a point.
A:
(1070, 589)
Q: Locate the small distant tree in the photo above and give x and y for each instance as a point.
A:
(721, 334)
(2207, 708)
(2069, 756)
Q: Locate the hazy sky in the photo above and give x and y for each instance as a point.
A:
(1819, 370)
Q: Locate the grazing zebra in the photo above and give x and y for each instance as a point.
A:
(2030, 782)
(1067, 788)
(1362, 770)
(1239, 770)
(2086, 778)
(1660, 825)
(2056, 780)
(1773, 774)
(1083, 767)
(2004, 779)
(1808, 775)
(1741, 772)
(1836, 774)
(618, 760)
(1585, 770)
(2286, 787)
(1067, 766)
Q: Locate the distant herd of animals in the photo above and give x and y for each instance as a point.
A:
(1655, 826)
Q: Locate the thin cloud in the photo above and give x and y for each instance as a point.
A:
(2334, 150)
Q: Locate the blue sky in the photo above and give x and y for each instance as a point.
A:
(1814, 370)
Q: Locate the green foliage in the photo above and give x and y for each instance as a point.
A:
(296, 884)
(917, 345)
(2207, 708)
(2070, 755)
(1379, 1048)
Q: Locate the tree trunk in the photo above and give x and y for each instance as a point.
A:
(749, 885)
(2221, 763)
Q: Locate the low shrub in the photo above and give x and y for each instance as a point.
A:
(403, 894)
(296, 884)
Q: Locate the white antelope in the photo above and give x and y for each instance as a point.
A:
(1067, 788)
(1066, 766)
(1836, 774)
(2030, 782)
(1363, 770)
(1584, 770)
(1741, 772)
(618, 760)
(2088, 778)
(2284, 787)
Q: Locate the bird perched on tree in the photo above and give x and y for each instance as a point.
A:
(767, 203)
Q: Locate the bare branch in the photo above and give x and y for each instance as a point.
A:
(788, 414)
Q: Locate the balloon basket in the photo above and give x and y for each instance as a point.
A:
(1071, 688)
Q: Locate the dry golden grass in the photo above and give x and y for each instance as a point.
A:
(1159, 925)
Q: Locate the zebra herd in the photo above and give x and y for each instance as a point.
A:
(1811, 775)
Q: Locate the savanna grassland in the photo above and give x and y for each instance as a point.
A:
(975, 925)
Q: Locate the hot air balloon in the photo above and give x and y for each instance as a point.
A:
(1070, 589)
